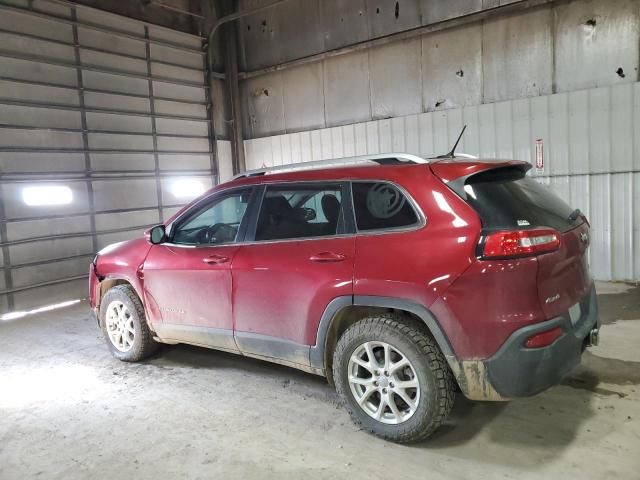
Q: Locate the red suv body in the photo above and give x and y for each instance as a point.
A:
(486, 262)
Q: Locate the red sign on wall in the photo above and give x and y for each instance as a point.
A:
(539, 155)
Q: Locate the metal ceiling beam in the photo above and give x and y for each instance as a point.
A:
(241, 14)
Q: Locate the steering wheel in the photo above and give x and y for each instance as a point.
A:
(218, 233)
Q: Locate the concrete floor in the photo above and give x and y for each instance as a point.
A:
(69, 410)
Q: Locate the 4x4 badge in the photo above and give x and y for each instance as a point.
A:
(552, 299)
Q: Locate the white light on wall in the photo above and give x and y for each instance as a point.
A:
(45, 195)
(187, 188)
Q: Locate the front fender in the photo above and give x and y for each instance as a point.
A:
(120, 263)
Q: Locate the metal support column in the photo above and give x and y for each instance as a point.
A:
(154, 131)
(213, 140)
(233, 91)
(85, 135)
(5, 253)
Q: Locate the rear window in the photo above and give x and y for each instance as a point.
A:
(505, 199)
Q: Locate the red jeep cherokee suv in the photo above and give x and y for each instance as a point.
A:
(399, 279)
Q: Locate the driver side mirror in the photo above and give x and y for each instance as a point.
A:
(157, 235)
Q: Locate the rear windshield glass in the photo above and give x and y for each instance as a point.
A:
(506, 198)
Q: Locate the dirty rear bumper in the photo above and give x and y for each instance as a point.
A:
(516, 371)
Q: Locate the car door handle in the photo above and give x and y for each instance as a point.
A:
(327, 257)
(215, 259)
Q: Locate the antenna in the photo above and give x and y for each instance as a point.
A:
(452, 153)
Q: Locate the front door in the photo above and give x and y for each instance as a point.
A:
(299, 258)
(187, 280)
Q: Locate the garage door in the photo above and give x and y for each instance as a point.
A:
(104, 131)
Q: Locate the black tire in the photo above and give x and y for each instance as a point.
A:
(436, 382)
(143, 343)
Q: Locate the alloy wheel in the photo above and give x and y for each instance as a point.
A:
(383, 382)
(120, 326)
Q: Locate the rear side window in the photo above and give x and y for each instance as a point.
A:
(506, 199)
(381, 206)
(300, 212)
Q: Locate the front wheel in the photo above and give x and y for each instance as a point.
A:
(393, 378)
(124, 325)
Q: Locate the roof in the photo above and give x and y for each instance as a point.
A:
(379, 166)
(447, 169)
(379, 159)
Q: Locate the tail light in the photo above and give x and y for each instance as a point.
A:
(520, 243)
(543, 339)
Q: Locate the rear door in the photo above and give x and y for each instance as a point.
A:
(506, 199)
(187, 280)
(298, 258)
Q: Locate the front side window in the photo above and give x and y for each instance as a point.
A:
(381, 206)
(299, 212)
(216, 223)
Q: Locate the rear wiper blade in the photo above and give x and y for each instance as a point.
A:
(573, 216)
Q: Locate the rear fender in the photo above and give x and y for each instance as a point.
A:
(319, 351)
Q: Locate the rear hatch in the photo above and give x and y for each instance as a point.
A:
(516, 208)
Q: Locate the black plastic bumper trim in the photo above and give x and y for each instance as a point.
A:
(517, 371)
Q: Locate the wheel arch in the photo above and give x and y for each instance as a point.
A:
(109, 282)
(342, 312)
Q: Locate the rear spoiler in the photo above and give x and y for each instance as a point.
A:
(455, 174)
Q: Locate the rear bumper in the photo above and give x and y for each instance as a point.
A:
(516, 371)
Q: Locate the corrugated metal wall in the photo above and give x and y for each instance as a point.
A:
(301, 28)
(113, 108)
(225, 160)
(591, 142)
(565, 72)
(557, 47)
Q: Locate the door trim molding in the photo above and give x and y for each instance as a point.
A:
(218, 338)
(262, 347)
(266, 346)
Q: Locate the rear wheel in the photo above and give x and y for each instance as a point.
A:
(124, 325)
(393, 378)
